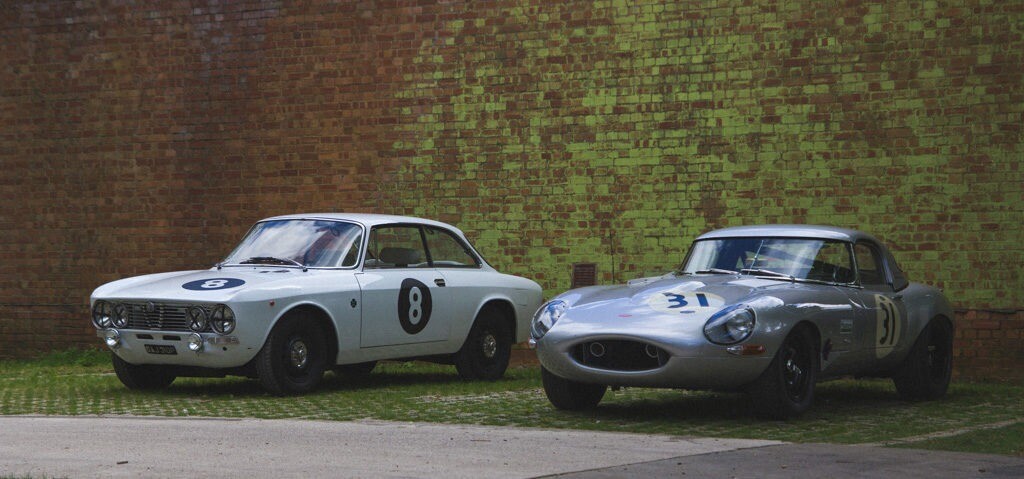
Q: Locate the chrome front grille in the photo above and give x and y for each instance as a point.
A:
(158, 316)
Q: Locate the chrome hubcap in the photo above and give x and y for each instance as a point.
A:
(490, 346)
(298, 353)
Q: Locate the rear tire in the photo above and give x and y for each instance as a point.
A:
(487, 349)
(571, 395)
(142, 377)
(924, 374)
(786, 388)
(294, 357)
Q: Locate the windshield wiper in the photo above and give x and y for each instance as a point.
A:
(272, 259)
(716, 271)
(767, 272)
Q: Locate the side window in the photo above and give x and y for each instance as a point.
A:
(446, 251)
(832, 263)
(869, 265)
(396, 247)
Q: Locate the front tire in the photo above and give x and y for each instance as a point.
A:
(571, 395)
(786, 388)
(142, 377)
(294, 357)
(487, 349)
(924, 374)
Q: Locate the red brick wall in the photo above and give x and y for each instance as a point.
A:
(138, 138)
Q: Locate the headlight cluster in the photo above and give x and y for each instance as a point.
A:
(221, 319)
(730, 325)
(546, 317)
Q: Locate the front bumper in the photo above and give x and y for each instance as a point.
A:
(217, 352)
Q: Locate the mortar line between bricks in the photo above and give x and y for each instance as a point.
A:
(942, 434)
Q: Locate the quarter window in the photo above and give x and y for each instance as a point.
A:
(446, 251)
(869, 265)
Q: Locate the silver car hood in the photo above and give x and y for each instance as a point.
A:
(673, 304)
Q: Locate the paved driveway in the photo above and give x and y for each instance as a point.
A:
(133, 447)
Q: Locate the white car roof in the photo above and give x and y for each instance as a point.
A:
(366, 219)
(790, 231)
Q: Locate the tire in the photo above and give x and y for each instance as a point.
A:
(924, 374)
(786, 388)
(357, 370)
(487, 349)
(571, 395)
(294, 357)
(142, 377)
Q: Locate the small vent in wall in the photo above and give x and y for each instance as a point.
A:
(584, 274)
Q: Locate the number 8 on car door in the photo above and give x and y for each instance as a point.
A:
(405, 300)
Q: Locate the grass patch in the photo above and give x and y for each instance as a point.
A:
(1007, 440)
(847, 412)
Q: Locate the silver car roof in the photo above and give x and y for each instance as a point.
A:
(790, 231)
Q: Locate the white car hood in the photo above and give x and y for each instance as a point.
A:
(208, 286)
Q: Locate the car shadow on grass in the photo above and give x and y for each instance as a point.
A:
(332, 383)
(831, 399)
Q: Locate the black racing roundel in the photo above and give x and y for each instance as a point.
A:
(213, 284)
(413, 306)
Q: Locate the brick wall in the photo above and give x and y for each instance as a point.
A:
(145, 137)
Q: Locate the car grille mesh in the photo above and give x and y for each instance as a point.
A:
(620, 355)
(158, 317)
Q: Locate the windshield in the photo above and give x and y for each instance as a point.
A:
(800, 258)
(312, 243)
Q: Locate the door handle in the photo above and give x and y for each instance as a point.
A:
(439, 282)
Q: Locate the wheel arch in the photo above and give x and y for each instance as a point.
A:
(815, 333)
(323, 319)
(502, 305)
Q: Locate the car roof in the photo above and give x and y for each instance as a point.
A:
(366, 219)
(790, 231)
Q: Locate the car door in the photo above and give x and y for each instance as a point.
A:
(405, 300)
(883, 307)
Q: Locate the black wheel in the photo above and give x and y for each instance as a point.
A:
(571, 395)
(487, 349)
(294, 357)
(144, 377)
(924, 374)
(786, 388)
(357, 370)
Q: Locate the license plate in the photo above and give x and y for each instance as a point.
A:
(160, 349)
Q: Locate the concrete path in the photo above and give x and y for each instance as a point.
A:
(158, 447)
(161, 447)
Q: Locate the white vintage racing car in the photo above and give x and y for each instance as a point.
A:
(766, 309)
(305, 293)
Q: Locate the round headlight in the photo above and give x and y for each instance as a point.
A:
(196, 318)
(222, 319)
(120, 317)
(102, 314)
(730, 325)
(546, 317)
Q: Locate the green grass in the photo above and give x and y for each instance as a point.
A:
(847, 412)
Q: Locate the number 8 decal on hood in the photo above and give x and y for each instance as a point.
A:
(414, 306)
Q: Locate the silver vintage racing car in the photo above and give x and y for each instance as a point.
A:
(766, 309)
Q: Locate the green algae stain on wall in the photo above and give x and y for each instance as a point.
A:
(615, 132)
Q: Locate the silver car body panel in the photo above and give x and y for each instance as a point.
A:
(846, 319)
